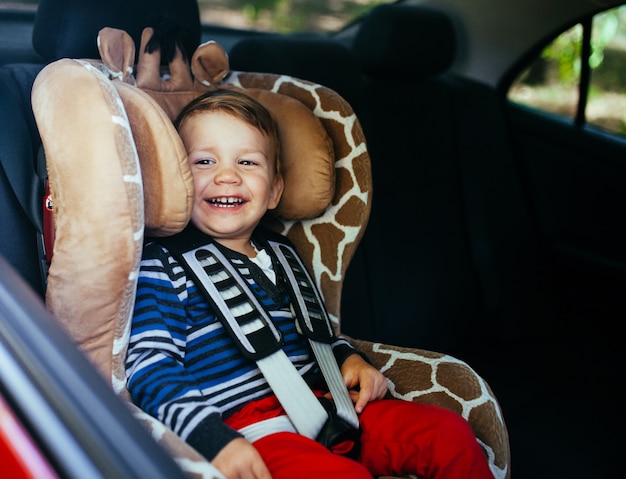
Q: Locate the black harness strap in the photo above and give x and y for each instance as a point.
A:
(252, 329)
(240, 312)
(310, 311)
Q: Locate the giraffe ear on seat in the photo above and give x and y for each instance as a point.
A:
(117, 51)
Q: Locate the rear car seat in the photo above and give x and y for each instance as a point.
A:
(446, 194)
(419, 255)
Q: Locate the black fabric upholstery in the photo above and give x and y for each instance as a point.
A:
(20, 194)
(424, 291)
(69, 28)
(406, 40)
(446, 196)
(423, 288)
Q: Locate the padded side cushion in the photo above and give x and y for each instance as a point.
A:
(97, 194)
(307, 156)
(167, 179)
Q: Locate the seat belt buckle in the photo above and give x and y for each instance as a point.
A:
(337, 434)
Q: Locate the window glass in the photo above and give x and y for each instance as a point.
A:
(552, 81)
(19, 4)
(284, 15)
(267, 15)
(606, 107)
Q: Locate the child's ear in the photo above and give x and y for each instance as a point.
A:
(278, 185)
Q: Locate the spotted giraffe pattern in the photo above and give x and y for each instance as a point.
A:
(327, 243)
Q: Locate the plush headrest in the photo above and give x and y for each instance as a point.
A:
(307, 158)
(69, 28)
(307, 152)
(316, 59)
(405, 40)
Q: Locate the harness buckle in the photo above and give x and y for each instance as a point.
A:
(337, 434)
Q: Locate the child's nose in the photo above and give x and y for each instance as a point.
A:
(226, 174)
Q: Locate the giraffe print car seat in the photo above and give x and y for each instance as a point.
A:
(118, 171)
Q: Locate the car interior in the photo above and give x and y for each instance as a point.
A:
(492, 233)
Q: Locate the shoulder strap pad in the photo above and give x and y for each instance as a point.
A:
(243, 316)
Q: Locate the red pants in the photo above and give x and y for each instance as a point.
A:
(398, 437)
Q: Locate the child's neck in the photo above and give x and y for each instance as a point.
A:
(243, 246)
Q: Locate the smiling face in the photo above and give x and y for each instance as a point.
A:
(234, 173)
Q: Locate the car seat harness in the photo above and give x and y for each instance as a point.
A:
(250, 326)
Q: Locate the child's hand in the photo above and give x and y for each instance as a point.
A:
(365, 382)
(240, 460)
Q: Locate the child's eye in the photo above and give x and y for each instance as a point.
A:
(246, 162)
(204, 161)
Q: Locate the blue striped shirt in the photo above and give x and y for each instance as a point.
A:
(182, 366)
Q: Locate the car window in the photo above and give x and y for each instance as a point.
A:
(580, 74)
(19, 5)
(284, 15)
(267, 15)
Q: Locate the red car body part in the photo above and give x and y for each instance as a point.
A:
(19, 455)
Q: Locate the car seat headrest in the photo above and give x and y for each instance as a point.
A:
(309, 185)
(405, 40)
(69, 28)
(321, 60)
